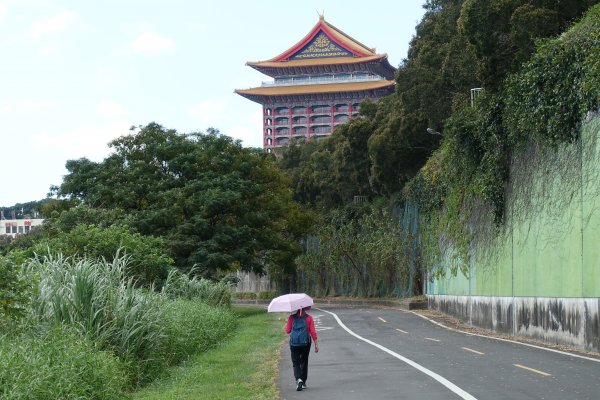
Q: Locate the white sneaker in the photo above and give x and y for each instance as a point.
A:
(299, 385)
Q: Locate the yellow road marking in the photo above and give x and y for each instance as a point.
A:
(382, 319)
(400, 330)
(432, 339)
(532, 370)
(473, 351)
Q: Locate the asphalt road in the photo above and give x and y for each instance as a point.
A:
(389, 354)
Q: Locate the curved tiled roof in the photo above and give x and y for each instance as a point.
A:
(345, 50)
(310, 89)
(316, 61)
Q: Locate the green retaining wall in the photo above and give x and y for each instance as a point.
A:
(539, 275)
(550, 244)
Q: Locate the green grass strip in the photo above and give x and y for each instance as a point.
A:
(242, 367)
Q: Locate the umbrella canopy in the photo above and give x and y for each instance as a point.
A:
(290, 302)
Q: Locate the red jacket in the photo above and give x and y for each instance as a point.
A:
(310, 325)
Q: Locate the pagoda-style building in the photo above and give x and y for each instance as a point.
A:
(319, 83)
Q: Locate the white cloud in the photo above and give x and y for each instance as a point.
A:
(151, 43)
(209, 113)
(111, 109)
(90, 142)
(51, 24)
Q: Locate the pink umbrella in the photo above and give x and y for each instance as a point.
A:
(290, 302)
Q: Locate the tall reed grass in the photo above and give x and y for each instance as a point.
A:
(90, 333)
(57, 363)
(96, 299)
(189, 287)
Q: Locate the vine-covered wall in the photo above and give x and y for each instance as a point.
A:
(550, 243)
(538, 275)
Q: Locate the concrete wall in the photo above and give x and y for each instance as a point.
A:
(250, 282)
(539, 275)
(570, 321)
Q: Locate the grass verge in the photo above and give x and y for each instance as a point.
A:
(242, 367)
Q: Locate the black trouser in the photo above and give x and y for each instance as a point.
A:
(300, 361)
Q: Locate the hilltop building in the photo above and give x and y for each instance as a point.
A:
(14, 227)
(318, 84)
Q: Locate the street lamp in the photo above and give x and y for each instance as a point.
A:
(433, 132)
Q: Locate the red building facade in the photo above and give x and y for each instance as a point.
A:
(318, 84)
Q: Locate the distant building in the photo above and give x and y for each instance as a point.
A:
(319, 83)
(14, 227)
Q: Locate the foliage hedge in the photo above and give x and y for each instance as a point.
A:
(544, 103)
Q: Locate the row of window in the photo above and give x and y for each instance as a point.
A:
(313, 119)
(326, 108)
(285, 140)
(17, 229)
(299, 129)
(340, 76)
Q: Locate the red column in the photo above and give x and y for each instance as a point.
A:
(332, 117)
(264, 126)
(308, 119)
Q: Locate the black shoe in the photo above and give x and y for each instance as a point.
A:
(304, 387)
(299, 385)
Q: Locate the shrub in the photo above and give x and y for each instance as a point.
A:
(97, 300)
(192, 327)
(57, 364)
(147, 263)
(244, 295)
(13, 291)
(267, 295)
(179, 285)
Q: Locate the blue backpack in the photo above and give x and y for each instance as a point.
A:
(299, 335)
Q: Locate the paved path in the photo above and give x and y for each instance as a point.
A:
(389, 354)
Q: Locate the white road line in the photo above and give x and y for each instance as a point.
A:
(537, 371)
(564, 353)
(474, 351)
(400, 330)
(382, 320)
(432, 339)
(451, 386)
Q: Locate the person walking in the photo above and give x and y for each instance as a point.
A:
(301, 328)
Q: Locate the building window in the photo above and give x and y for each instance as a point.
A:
(20, 229)
(299, 110)
(27, 228)
(321, 108)
(14, 229)
(7, 228)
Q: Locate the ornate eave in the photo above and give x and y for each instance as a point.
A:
(299, 93)
(377, 64)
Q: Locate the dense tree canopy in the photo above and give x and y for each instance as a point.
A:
(458, 45)
(217, 205)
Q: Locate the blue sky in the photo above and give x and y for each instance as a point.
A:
(77, 74)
